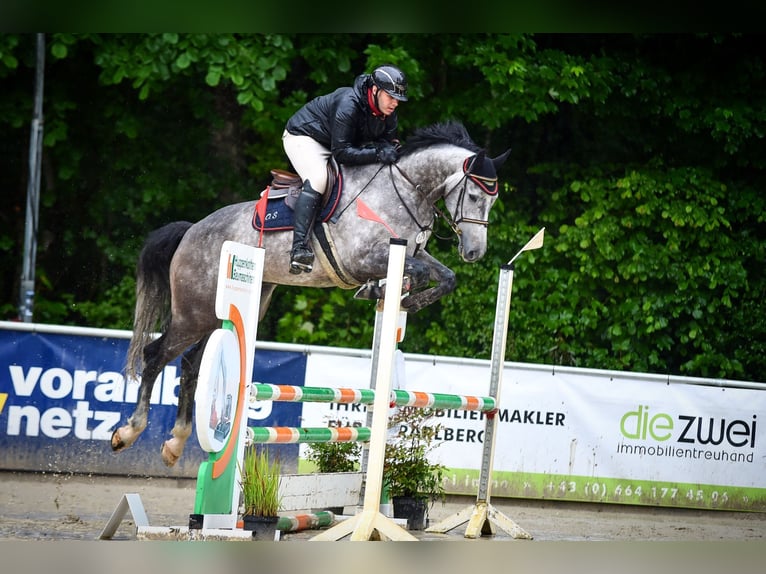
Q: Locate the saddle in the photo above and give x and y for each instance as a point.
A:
(280, 196)
(288, 185)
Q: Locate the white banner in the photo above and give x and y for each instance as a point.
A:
(581, 434)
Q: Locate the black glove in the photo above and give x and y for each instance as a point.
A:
(387, 153)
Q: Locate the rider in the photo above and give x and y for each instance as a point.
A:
(355, 125)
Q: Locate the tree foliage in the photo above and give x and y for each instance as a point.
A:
(641, 155)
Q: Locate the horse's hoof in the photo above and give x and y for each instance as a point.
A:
(168, 456)
(117, 443)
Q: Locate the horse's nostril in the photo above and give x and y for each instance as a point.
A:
(471, 255)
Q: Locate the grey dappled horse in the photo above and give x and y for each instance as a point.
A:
(177, 269)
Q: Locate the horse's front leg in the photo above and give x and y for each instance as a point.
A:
(173, 448)
(416, 275)
(419, 272)
(425, 269)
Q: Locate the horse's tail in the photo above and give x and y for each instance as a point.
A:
(152, 290)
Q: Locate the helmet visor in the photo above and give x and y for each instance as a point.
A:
(398, 92)
(392, 81)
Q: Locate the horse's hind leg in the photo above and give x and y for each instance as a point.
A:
(173, 448)
(156, 356)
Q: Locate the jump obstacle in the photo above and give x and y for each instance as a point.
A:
(482, 517)
(224, 386)
(221, 395)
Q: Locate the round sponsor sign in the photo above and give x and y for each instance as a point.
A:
(217, 390)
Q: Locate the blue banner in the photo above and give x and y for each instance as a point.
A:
(61, 396)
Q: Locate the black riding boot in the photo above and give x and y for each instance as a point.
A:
(306, 206)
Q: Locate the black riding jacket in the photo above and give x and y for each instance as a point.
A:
(343, 122)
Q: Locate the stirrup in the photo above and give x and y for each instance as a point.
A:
(301, 261)
(297, 267)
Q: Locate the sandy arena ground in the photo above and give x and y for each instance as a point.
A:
(40, 506)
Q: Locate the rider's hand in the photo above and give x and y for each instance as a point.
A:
(387, 153)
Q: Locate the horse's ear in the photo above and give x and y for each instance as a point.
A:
(478, 161)
(500, 160)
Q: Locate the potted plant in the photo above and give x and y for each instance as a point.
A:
(414, 483)
(261, 500)
(335, 457)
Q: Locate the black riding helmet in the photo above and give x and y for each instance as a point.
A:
(391, 80)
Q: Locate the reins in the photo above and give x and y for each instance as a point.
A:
(335, 217)
(437, 212)
(452, 221)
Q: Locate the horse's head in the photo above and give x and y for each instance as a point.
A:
(461, 173)
(469, 198)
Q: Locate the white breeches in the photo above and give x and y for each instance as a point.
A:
(309, 158)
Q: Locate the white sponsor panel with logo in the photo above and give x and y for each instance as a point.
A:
(581, 434)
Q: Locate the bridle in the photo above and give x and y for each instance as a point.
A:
(486, 184)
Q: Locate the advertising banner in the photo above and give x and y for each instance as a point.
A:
(562, 433)
(61, 396)
(581, 435)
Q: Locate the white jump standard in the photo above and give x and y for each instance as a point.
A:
(483, 517)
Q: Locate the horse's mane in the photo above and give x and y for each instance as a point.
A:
(442, 133)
